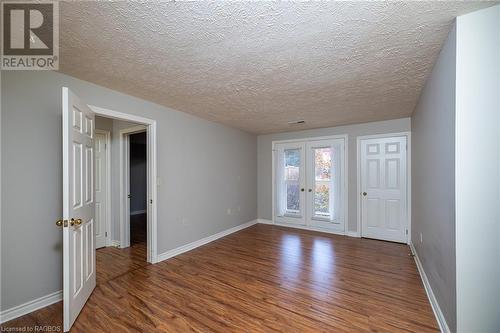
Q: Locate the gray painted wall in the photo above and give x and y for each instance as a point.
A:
(433, 179)
(478, 171)
(105, 124)
(264, 147)
(205, 168)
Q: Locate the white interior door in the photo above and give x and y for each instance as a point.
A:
(79, 274)
(101, 190)
(325, 184)
(384, 188)
(290, 183)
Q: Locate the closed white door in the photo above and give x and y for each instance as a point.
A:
(384, 204)
(79, 274)
(290, 183)
(101, 190)
(325, 176)
(310, 183)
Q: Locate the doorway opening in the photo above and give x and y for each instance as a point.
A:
(137, 184)
(124, 126)
(121, 196)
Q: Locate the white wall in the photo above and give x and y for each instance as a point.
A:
(478, 171)
(264, 146)
(456, 175)
(433, 179)
(205, 168)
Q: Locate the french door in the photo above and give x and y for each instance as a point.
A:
(291, 183)
(310, 183)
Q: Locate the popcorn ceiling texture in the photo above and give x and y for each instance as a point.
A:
(257, 66)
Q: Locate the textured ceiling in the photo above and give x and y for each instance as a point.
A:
(258, 65)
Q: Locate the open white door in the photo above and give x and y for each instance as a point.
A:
(79, 275)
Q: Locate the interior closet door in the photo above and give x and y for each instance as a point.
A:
(325, 177)
(290, 183)
(384, 208)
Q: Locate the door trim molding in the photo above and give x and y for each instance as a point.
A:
(107, 223)
(345, 180)
(152, 209)
(408, 178)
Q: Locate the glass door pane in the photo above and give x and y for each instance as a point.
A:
(322, 183)
(292, 180)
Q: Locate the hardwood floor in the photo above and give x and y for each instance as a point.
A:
(138, 229)
(112, 262)
(262, 279)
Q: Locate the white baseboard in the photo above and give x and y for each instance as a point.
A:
(264, 221)
(138, 212)
(203, 241)
(303, 227)
(115, 243)
(443, 325)
(30, 306)
(352, 234)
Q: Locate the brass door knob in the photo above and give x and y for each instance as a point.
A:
(59, 223)
(75, 222)
(301, 190)
(364, 194)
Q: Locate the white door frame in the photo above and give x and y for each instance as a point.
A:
(125, 182)
(152, 209)
(345, 182)
(107, 222)
(408, 177)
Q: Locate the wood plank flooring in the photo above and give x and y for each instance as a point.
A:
(261, 279)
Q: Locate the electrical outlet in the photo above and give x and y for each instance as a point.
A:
(421, 238)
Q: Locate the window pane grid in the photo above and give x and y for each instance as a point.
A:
(292, 180)
(322, 206)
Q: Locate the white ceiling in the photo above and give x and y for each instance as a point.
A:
(257, 66)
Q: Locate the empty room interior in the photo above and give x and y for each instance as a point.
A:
(250, 166)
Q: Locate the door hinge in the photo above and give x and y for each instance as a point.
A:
(151, 201)
(407, 231)
(105, 146)
(105, 234)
